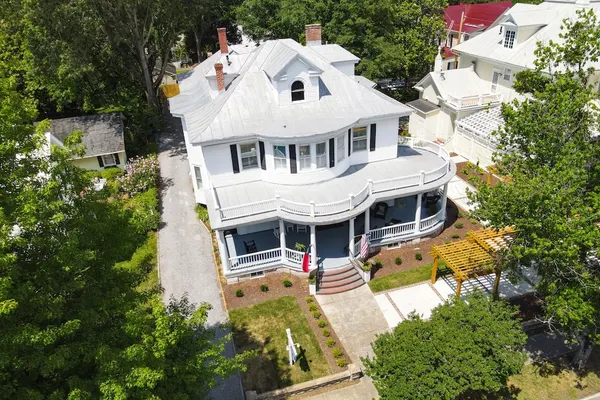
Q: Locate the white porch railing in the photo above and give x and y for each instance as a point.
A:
(371, 187)
(255, 259)
(293, 256)
(393, 231)
(474, 101)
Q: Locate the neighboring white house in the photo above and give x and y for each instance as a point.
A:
(458, 107)
(102, 137)
(289, 149)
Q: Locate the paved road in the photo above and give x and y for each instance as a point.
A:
(185, 247)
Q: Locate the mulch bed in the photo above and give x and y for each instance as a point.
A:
(472, 174)
(253, 295)
(408, 251)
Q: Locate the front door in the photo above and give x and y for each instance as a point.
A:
(495, 78)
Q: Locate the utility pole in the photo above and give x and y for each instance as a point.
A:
(462, 19)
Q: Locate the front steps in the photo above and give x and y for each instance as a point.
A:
(332, 281)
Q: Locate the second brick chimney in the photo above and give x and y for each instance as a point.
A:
(220, 77)
(313, 35)
(223, 41)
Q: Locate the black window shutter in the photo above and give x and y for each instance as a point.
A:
(349, 142)
(234, 159)
(373, 138)
(117, 161)
(293, 166)
(261, 148)
(100, 162)
(331, 153)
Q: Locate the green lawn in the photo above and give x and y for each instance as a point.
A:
(556, 381)
(408, 277)
(262, 327)
(182, 70)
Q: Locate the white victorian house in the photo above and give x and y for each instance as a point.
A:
(460, 108)
(289, 149)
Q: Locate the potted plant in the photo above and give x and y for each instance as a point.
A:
(312, 285)
(366, 271)
(300, 247)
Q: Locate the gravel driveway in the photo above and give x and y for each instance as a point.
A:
(185, 247)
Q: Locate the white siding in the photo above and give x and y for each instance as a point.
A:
(424, 126)
(297, 70)
(347, 67)
(430, 95)
(91, 163)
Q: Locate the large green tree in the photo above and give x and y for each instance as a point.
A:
(467, 347)
(394, 39)
(549, 151)
(74, 322)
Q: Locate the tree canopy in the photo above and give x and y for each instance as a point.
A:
(466, 347)
(548, 149)
(394, 39)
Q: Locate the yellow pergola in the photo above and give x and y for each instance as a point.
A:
(473, 256)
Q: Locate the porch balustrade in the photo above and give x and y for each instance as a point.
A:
(293, 258)
(312, 209)
(474, 101)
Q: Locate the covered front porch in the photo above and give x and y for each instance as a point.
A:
(274, 244)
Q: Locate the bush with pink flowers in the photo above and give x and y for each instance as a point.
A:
(142, 174)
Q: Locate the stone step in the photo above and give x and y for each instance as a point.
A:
(341, 289)
(342, 282)
(338, 277)
(337, 271)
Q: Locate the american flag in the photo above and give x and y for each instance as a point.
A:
(364, 246)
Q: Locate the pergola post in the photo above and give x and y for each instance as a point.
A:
(434, 269)
(495, 293)
(458, 288)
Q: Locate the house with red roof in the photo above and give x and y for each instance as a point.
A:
(477, 18)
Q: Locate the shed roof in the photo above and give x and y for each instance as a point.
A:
(102, 133)
(423, 106)
(334, 53)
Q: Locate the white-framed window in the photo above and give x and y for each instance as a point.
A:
(280, 157)
(249, 155)
(509, 38)
(341, 147)
(359, 138)
(507, 74)
(495, 78)
(304, 157)
(198, 175)
(109, 160)
(322, 155)
(298, 91)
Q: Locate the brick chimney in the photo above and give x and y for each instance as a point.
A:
(220, 77)
(223, 41)
(313, 35)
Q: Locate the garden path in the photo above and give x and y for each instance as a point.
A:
(185, 246)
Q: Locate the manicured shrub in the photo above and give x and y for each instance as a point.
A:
(316, 314)
(336, 352)
(398, 261)
(366, 267)
(446, 241)
(459, 225)
(264, 288)
(142, 174)
(418, 257)
(202, 213)
(322, 324)
(309, 299)
(313, 307)
(144, 210)
(378, 264)
(460, 214)
(330, 342)
(112, 173)
(287, 283)
(341, 362)
(325, 332)
(455, 236)
(473, 221)
(239, 293)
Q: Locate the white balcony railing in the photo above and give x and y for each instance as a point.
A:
(474, 101)
(255, 259)
(294, 256)
(393, 231)
(313, 209)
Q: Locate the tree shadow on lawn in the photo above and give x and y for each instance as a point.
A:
(263, 373)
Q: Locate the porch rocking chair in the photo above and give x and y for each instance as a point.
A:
(250, 246)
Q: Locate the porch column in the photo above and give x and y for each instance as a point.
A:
(444, 201)
(418, 213)
(313, 246)
(223, 251)
(282, 239)
(367, 220)
(351, 237)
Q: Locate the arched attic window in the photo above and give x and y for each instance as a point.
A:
(297, 91)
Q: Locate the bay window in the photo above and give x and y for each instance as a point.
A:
(280, 157)
(305, 158)
(359, 138)
(249, 155)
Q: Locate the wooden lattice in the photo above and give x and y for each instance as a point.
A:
(492, 239)
(465, 257)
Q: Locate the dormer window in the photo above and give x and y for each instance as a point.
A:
(297, 91)
(509, 38)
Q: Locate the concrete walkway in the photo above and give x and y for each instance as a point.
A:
(364, 390)
(185, 247)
